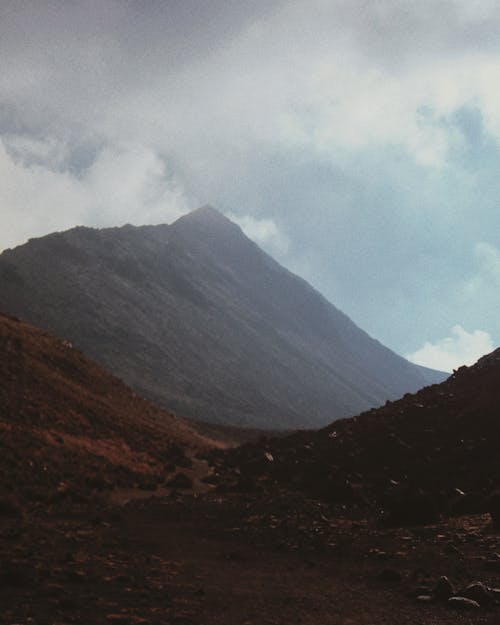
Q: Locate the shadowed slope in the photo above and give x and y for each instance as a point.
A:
(198, 318)
(435, 450)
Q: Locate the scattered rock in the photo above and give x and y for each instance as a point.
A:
(478, 592)
(494, 593)
(424, 598)
(380, 554)
(443, 589)
(463, 603)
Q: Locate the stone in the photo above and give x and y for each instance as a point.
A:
(424, 598)
(463, 603)
(478, 592)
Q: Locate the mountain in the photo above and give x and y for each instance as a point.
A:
(67, 426)
(197, 318)
(432, 452)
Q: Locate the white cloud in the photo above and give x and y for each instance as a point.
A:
(130, 184)
(264, 232)
(462, 348)
(123, 184)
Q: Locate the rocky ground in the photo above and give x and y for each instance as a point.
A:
(240, 559)
(416, 460)
(113, 511)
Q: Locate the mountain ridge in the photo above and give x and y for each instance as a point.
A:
(196, 317)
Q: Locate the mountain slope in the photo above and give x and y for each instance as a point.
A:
(436, 450)
(196, 317)
(67, 426)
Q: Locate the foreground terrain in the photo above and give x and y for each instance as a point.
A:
(68, 427)
(237, 559)
(114, 511)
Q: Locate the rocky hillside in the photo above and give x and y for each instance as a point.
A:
(99, 523)
(434, 452)
(199, 319)
(68, 428)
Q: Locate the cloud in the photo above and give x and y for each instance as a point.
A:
(357, 141)
(264, 232)
(298, 72)
(462, 348)
(328, 79)
(127, 184)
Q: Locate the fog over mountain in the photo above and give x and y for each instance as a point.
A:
(195, 316)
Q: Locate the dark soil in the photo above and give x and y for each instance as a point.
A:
(412, 461)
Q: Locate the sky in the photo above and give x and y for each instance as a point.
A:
(357, 141)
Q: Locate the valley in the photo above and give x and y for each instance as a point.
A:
(113, 511)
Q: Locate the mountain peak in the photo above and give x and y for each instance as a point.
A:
(208, 224)
(207, 211)
(205, 215)
(197, 317)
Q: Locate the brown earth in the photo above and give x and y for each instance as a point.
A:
(237, 559)
(109, 512)
(68, 428)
